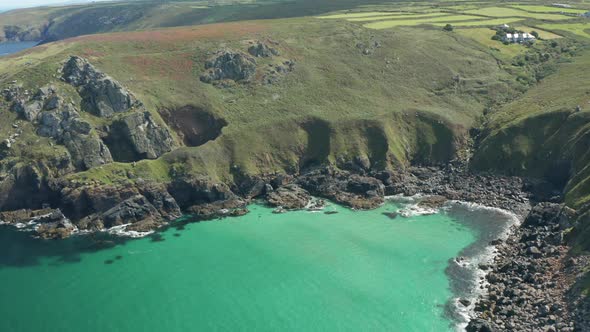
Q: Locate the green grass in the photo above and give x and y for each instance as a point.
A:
(388, 17)
(511, 12)
(358, 15)
(548, 9)
(579, 29)
(484, 37)
(487, 23)
(411, 22)
(542, 33)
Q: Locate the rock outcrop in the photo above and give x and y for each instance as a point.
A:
(289, 197)
(229, 65)
(137, 136)
(262, 50)
(101, 94)
(356, 191)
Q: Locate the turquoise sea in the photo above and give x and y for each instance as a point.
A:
(297, 271)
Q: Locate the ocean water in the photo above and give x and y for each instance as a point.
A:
(13, 47)
(297, 271)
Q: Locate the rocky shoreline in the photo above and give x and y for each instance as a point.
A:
(526, 288)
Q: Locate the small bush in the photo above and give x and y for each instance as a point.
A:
(448, 27)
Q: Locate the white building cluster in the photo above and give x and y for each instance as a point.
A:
(518, 37)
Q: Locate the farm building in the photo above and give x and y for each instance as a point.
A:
(518, 37)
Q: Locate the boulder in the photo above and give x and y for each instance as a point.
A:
(478, 325)
(543, 214)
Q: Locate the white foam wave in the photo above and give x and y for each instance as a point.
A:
(486, 257)
(121, 230)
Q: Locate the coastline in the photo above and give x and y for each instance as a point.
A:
(138, 211)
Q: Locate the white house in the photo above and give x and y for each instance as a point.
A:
(518, 37)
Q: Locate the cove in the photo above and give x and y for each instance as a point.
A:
(7, 48)
(297, 271)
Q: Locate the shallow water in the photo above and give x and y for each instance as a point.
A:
(298, 271)
(13, 47)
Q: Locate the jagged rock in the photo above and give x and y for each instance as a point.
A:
(28, 110)
(229, 65)
(353, 190)
(148, 205)
(261, 50)
(141, 136)
(290, 196)
(55, 226)
(131, 210)
(67, 128)
(543, 214)
(231, 207)
(101, 94)
(189, 192)
(87, 151)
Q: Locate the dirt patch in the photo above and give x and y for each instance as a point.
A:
(194, 125)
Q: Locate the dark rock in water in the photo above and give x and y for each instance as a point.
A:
(109, 261)
(391, 215)
(331, 212)
(118, 257)
(229, 65)
(101, 94)
(261, 50)
(289, 197)
(478, 325)
(464, 302)
(157, 238)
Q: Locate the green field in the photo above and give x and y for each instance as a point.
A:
(359, 15)
(484, 22)
(548, 9)
(580, 29)
(411, 22)
(511, 12)
(484, 37)
(542, 33)
(406, 16)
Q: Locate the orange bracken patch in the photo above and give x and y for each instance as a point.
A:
(208, 31)
(177, 68)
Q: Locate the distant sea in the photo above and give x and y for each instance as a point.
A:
(13, 47)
